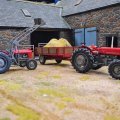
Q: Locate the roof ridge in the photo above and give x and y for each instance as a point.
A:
(88, 6)
(37, 3)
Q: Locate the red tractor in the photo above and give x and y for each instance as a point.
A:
(86, 58)
(20, 55)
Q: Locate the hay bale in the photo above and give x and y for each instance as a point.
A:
(58, 43)
(64, 42)
(51, 43)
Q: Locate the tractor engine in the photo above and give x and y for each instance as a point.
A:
(104, 60)
(21, 56)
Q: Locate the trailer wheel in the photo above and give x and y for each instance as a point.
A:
(22, 64)
(82, 60)
(31, 64)
(5, 63)
(58, 61)
(42, 59)
(114, 69)
(96, 67)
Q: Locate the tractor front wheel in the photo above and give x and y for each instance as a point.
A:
(82, 60)
(114, 69)
(5, 63)
(31, 64)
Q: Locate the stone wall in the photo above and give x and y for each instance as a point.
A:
(106, 20)
(7, 34)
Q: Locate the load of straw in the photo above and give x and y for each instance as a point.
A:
(58, 43)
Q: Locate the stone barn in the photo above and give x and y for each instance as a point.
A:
(79, 21)
(93, 21)
(15, 16)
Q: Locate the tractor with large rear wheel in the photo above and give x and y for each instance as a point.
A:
(86, 58)
(17, 54)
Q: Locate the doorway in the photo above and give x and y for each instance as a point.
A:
(87, 36)
(109, 41)
(43, 37)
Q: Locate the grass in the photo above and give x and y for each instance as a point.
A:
(62, 97)
(42, 75)
(51, 92)
(68, 112)
(112, 108)
(10, 86)
(59, 93)
(85, 77)
(14, 87)
(5, 119)
(61, 105)
(17, 108)
(23, 113)
(56, 77)
(46, 83)
(108, 104)
(68, 99)
(111, 117)
(3, 82)
(81, 106)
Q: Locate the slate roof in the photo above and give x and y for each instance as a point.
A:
(11, 14)
(65, 3)
(85, 5)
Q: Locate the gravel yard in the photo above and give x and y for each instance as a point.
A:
(58, 92)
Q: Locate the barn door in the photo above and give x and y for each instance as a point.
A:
(91, 36)
(79, 37)
(55, 1)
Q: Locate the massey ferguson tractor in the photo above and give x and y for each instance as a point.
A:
(17, 54)
(87, 58)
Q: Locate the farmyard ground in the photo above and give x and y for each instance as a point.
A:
(58, 92)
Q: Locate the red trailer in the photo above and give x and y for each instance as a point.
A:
(56, 53)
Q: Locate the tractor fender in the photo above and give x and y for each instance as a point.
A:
(86, 47)
(4, 51)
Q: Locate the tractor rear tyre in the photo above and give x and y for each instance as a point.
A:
(114, 69)
(58, 61)
(42, 59)
(5, 63)
(96, 67)
(82, 60)
(31, 64)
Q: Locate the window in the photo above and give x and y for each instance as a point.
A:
(45, 1)
(26, 13)
(111, 41)
(55, 1)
